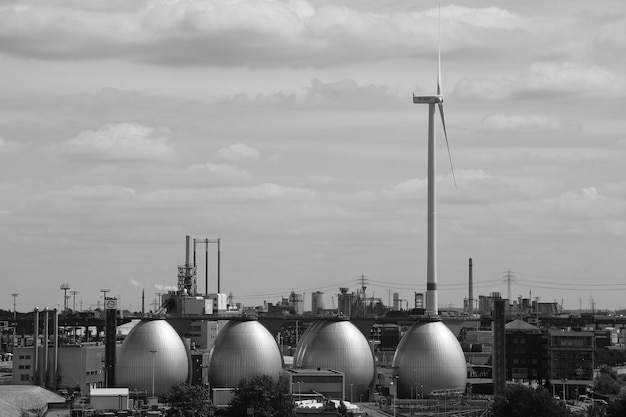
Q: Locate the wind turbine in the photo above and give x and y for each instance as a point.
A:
(431, 264)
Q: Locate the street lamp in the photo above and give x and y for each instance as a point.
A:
(153, 353)
(564, 392)
(351, 400)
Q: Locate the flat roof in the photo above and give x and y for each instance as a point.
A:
(104, 392)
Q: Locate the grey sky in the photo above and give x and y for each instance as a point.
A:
(286, 129)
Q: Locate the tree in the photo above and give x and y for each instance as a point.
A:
(617, 407)
(522, 401)
(268, 399)
(189, 401)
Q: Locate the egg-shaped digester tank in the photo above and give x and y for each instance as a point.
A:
(243, 350)
(340, 346)
(429, 358)
(152, 351)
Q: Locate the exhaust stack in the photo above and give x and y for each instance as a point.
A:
(470, 307)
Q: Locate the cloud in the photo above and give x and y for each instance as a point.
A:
(522, 122)
(348, 91)
(120, 142)
(546, 78)
(572, 77)
(217, 174)
(134, 282)
(238, 152)
(235, 33)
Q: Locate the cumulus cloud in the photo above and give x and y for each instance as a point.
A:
(220, 174)
(522, 122)
(134, 282)
(238, 152)
(586, 203)
(239, 32)
(572, 77)
(120, 142)
(546, 78)
(348, 91)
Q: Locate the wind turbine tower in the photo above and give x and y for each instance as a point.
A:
(429, 355)
(431, 263)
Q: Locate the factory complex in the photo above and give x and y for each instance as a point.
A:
(398, 359)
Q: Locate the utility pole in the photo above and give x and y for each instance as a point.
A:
(14, 295)
(65, 286)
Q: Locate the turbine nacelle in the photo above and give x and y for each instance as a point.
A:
(428, 99)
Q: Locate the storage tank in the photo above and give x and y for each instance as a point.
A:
(340, 346)
(429, 358)
(152, 351)
(243, 350)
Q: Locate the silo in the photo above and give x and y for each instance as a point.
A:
(340, 346)
(243, 350)
(429, 358)
(152, 355)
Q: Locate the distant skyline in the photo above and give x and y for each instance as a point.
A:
(287, 130)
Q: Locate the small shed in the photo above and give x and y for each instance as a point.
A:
(109, 398)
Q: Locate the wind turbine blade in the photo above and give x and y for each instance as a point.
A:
(439, 87)
(445, 133)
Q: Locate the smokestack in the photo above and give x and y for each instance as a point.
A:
(55, 330)
(110, 335)
(36, 347)
(470, 308)
(46, 330)
(499, 353)
(187, 249)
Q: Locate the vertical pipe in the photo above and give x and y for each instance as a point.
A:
(499, 358)
(36, 368)
(470, 308)
(218, 266)
(187, 244)
(206, 267)
(431, 267)
(46, 330)
(55, 330)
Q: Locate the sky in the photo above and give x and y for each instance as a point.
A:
(286, 129)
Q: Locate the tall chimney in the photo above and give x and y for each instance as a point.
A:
(499, 353)
(470, 308)
(55, 330)
(36, 368)
(46, 330)
(187, 250)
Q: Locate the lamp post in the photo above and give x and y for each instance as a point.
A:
(351, 400)
(564, 392)
(153, 353)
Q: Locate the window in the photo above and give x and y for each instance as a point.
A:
(24, 377)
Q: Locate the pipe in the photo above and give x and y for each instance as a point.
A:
(36, 348)
(470, 308)
(46, 331)
(55, 329)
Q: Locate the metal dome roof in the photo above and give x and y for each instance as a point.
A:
(243, 349)
(429, 358)
(136, 364)
(338, 345)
